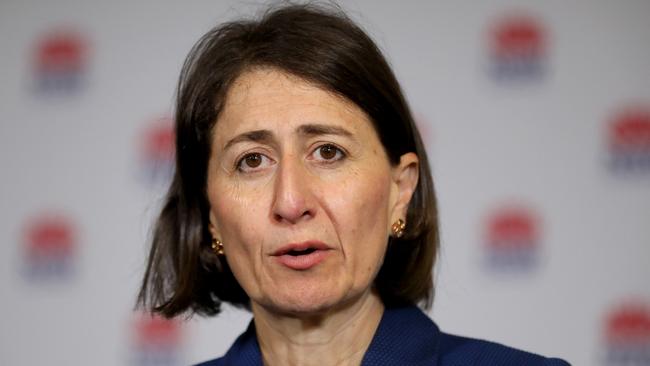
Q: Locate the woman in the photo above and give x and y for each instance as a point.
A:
(303, 193)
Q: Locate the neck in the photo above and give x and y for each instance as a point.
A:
(334, 337)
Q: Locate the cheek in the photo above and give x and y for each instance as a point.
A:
(368, 195)
(232, 203)
(362, 214)
(238, 217)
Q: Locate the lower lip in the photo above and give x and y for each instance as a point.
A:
(303, 262)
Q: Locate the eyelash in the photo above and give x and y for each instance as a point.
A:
(340, 154)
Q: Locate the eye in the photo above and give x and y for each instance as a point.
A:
(328, 153)
(253, 161)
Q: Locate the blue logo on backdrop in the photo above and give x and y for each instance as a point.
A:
(49, 248)
(512, 240)
(157, 341)
(629, 141)
(157, 151)
(627, 335)
(60, 63)
(517, 49)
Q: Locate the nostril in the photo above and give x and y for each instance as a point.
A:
(291, 217)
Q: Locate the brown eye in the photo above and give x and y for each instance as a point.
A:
(328, 152)
(253, 160)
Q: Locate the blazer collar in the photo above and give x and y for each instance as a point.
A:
(405, 336)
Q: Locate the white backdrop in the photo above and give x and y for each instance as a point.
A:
(539, 144)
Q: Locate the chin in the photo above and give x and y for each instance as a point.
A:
(301, 309)
(304, 302)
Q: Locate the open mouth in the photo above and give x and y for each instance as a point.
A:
(295, 252)
(298, 249)
(302, 256)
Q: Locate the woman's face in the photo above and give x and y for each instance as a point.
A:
(301, 193)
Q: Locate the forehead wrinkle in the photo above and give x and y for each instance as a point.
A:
(252, 97)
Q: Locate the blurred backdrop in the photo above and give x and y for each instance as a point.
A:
(536, 116)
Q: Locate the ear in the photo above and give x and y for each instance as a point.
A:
(405, 179)
(213, 226)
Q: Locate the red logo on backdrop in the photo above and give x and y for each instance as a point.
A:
(512, 239)
(518, 47)
(49, 247)
(627, 334)
(60, 62)
(628, 139)
(156, 341)
(157, 152)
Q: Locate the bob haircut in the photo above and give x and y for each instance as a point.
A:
(321, 45)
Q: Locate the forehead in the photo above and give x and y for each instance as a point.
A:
(266, 98)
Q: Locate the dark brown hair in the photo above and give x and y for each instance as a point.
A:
(321, 45)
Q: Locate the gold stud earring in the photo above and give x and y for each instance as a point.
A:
(398, 228)
(217, 246)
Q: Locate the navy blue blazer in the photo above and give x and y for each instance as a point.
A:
(406, 336)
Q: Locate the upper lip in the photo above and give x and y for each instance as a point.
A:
(311, 244)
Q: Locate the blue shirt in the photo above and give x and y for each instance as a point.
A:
(406, 336)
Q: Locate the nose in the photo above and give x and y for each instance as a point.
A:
(293, 199)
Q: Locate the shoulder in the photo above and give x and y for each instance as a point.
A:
(408, 336)
(215, 362)
(243, 352)
(457, 350)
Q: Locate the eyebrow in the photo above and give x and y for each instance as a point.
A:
(312, 129)
(320, 129)
(256, 136)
